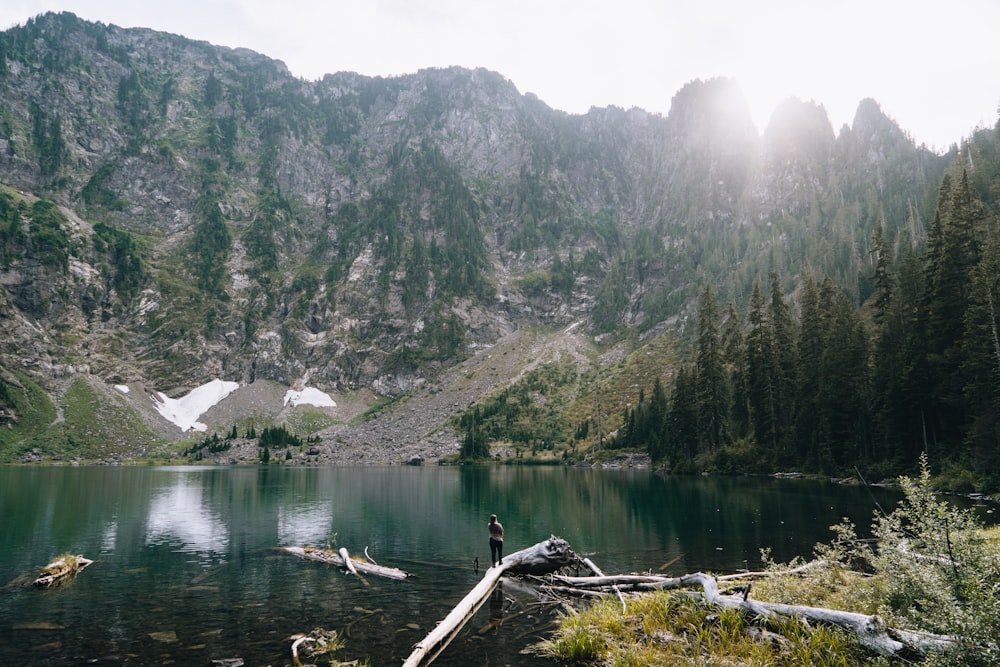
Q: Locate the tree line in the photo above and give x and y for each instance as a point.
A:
(818, 383)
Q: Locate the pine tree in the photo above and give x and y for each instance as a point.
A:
(654, 423)
(953, 252)
(735, 364)
(710, 376)
(474, 445)
(810, 355)
(843, 397)
(981, 360)
(783, 365)
(210, 245)
(760, 376)
(881, 279)
(680, 443)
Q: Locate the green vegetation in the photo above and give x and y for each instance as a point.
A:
(210, 245)
(48, 236)
(832, 387)
(98, 190)
(668, 628)
(48, 141)
(96, 425)
(11, 234)
(558, 412)
(527, 414)
(309, 420)
(270, 438)
(124, 260)
(213, 444)
(27, 412)
(133, 100)
(932, 568)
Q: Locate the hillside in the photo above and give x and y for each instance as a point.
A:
(173, 212)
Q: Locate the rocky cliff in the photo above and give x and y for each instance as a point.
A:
(174, 212)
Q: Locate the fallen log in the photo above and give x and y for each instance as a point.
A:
(61, 570)
(801, 569)
(596, 570)
(871, 631)
(343, 560)
(542, 558)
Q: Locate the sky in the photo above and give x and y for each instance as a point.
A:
(934, 67)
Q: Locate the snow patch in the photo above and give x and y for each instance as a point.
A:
(123, 388)
(309, 396)
(184, 411)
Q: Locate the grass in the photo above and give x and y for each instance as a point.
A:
(102, 423)
(35, 413)
(541, 412)
(670, 628)
(95, 425)
(308, 421)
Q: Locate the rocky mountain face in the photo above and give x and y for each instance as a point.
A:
(174, 211)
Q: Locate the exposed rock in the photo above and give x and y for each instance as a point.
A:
(377, 235)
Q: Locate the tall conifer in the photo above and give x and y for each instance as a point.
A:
(710, 377)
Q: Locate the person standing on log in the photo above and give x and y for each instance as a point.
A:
(496, 540)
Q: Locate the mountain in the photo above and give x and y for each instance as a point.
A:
(175, 212)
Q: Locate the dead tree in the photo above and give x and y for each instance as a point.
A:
(344, 560)
(543, 558)
(871, 631)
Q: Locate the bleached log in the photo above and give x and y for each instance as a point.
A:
(295, 648)
(596, 570)
(653, 581)
(542, 558)
(346, 557)
(603, 581)
(331, 558)
(801, 569)
(871, 631)
(60, 569)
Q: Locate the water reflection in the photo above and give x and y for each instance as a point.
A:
(190, 553)
(179, 517)
(305, 525)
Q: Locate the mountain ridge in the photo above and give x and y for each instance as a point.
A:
(218, 217)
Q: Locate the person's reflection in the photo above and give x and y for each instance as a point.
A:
(497, 600)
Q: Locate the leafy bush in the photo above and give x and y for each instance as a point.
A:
(942, 575)
(934, 569)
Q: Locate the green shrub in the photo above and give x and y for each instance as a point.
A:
(942, 575)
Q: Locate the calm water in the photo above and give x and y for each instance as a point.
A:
(186, 569)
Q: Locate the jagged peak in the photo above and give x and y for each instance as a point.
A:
(870, 120)
(715, 105)
(797, 126)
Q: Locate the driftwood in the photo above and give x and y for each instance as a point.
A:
(61, 570)
(597, 571)
(870, 631)
(348, 563)
(344, 560)
(543, 558)
(318, 642)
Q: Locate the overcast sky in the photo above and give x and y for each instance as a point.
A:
(934, 67)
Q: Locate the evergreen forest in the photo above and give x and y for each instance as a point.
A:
(817, 382)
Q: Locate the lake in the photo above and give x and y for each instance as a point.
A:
(187, 569)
